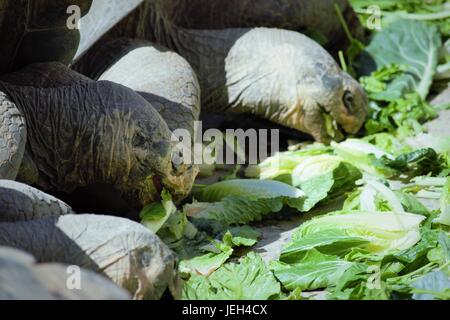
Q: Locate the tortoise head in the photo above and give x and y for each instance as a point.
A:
(344, 107)
(289, 79)
(329, 106)
(137, 151)
(156, 168)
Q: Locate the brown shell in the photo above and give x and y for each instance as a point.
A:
(36, 31)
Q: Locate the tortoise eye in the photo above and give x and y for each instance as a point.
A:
(348, 100)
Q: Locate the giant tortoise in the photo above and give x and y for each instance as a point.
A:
(280, 75)
(61, 131)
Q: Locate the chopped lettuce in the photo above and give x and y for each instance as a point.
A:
(386, 231)
(323, 177)
(431, 286)
(409, 42)
(248, 280)
(243, 201)
(364, 156)
(156, 214)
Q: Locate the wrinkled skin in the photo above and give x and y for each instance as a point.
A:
(276, 74)
(21, 278)
(102, 134)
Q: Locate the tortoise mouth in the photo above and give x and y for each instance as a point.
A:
(333, 129)
(179, 185)
(157, 182)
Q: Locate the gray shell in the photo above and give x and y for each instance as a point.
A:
(22, 278)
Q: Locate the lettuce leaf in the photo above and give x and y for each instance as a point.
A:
(248, 280)
(220, 251)
(207, 263)
(386, 232)
(243, 201)
(364, 156)
(434, 285)
(280, 166)
(155, 215)
(310, 275)
(409, 42)
(334, 242)
(324, 176)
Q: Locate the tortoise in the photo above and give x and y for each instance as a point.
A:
(317, 19)
(98, 117)
(58, 130)
(279, 75)
(115, 130)
(124, 251)
(94, 134)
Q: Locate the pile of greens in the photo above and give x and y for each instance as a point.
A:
(403, 61)
(390, 238)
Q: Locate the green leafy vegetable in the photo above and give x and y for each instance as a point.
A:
(208, 263)
(406, 42)
(243, 201)
(402, 116)
(422, 161)
(386, 232)
(241, 236)
(334, 242)
(280, 166)
(434, 285)
(364, 156)
(310, 275)
(248, 280)
(324, 176)
(156, 214)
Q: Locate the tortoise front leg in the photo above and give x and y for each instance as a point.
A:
(13, 137)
